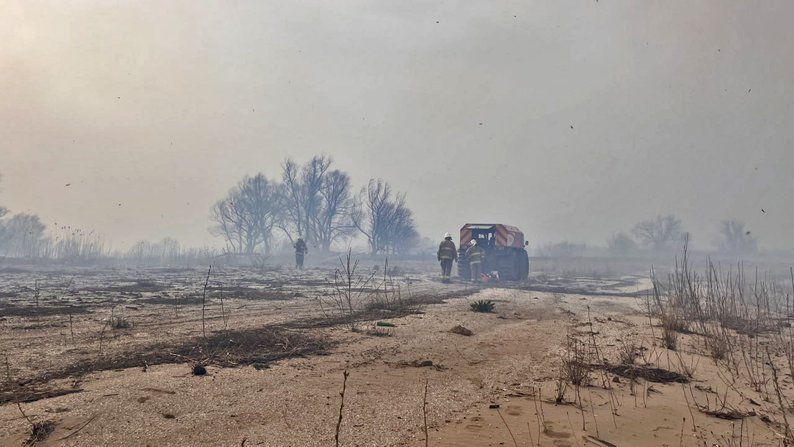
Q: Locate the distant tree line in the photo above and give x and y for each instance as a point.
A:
(316, 202)
(24, 235)
(319, 203)
(21, 235)
(666, 234)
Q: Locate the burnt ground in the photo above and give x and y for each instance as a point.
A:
(249, 318)
(230, 348)
(274, 346)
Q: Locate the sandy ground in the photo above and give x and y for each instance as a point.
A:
(496, 387)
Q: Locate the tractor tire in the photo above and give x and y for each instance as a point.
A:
(504, 264)
(522, 265)
(512, 265)
(464, 272)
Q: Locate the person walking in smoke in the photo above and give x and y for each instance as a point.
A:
(300, 252)
(447, 253)
(475, 254)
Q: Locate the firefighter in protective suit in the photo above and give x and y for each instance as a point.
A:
(447, 253)
(475, 254)
(300, 252)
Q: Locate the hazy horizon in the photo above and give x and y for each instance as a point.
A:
(570, 120)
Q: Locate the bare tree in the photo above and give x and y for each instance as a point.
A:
(302, 192)
(248, 214)
(333, 220)
(293, 218)
(735, 239)
(370, 211)
(317, 202)
(621, 244)
(400, 233)
(385, 221)
(660, 233)
(22, 236)
(3, 213)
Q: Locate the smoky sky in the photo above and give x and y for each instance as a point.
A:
(570, 119)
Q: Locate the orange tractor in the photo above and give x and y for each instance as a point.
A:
(505, 250)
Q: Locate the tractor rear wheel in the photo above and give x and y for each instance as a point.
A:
(464, 272)
(521, 265)
(512, 265)
(504, 264)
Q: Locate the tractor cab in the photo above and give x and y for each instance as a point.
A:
(484, 235)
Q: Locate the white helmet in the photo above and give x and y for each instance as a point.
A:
(447, 235)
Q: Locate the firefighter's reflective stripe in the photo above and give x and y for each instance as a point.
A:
(475, 255)
(447, 250)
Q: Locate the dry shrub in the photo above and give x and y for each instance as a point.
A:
(40, 431)
(672, 324)
(350, 287)
(575, 365)
(718, 346)
(119, 322)
(669, 338)
(627, 352)
(562, 387)
(377, 331)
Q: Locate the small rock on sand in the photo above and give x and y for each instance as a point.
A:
(422, 363)
(461, 330)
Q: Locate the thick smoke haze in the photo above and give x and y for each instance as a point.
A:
(570, 119)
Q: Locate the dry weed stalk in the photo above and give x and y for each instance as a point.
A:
(529, 431)
(424, 413)
(575, 363)
(204, 302)
(388, 294)
(570, 424)
(71, 326)
(681, 436)
(606, 383)
(781, 400)
(102, 334)
(349, 287)
(722, 408)
(499, 412)
(592, 412)
(561, 387)
(689, 408)
(575, 370)
(688, 369)
(39, 431)
(741, 323)
(224, 316)
(539, 413)
(36, 293)
(341, 406)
